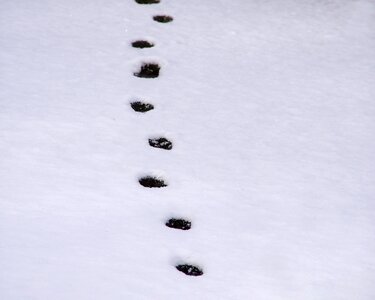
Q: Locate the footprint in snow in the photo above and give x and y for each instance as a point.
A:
(161, 143)
(148, 70)
(147, 1)
(142, 44)
(142, 107)
(190, 270)
(178, 224)
(163, 18)
(152, 182)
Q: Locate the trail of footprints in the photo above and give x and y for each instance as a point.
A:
(152, 70)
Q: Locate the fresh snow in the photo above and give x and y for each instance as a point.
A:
(270, 108)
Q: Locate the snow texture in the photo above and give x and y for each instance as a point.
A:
(270, 106)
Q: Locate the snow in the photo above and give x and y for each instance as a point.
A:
(269, 105)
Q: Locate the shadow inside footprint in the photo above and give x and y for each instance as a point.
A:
(142, 44)
(178, 224)
(148, 70)
(161, 143)
(152, 182)
(189, 270)
(163, 19)
(142, 107)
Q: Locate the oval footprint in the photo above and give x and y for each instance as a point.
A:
(161, 143)
(142, 107)
(163, 18)
(190, 270)
(142, 44)
(152, 182)
(178, 224)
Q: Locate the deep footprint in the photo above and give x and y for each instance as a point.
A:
(148, 70)
(161, 143)
(142, 44)
(142, 107)
(152, 182)
(147, 1)
(178, 224)
(190, 270)
(163, 19)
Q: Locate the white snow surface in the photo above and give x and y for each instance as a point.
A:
(270, 106)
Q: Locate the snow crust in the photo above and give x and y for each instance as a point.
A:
(270, 108)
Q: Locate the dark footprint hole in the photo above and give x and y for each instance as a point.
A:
(163, 19)
(141, 106)
(161, 143)
(142, 44)
(148, 71)
(152, 182)
(178, 224)
(190, 270)
(147, 1)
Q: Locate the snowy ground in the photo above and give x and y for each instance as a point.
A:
(270, 106)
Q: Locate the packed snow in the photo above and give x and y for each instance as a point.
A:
(270, 108)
